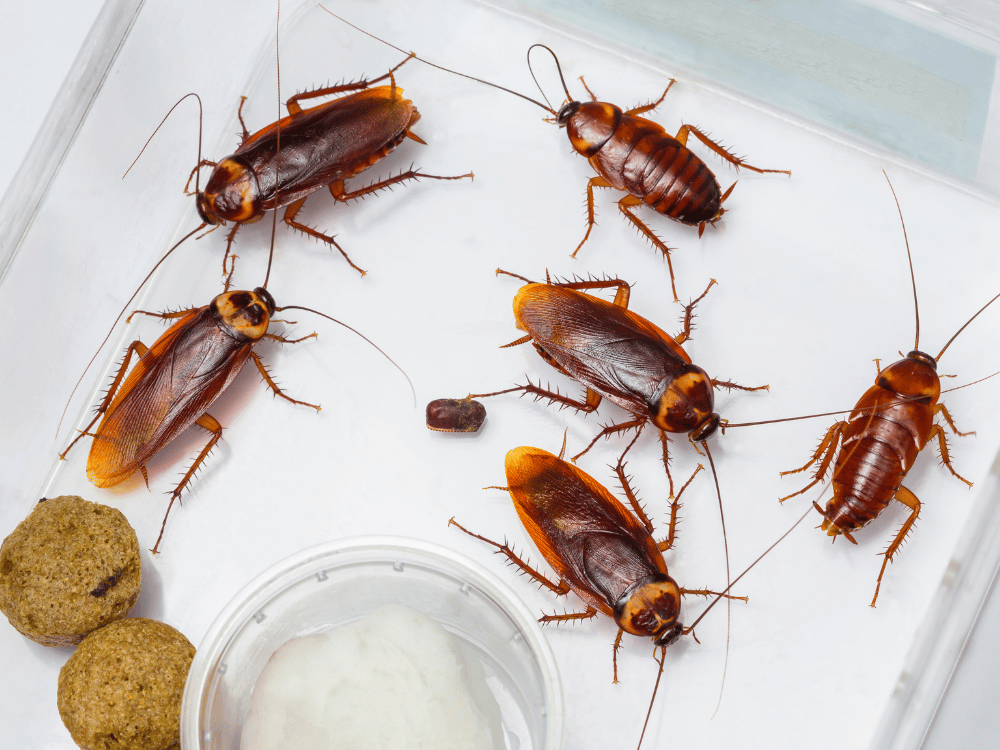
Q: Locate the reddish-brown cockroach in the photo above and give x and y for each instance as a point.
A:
(636, 156)
(598, 549)
(618, 355)
(322, 146)
(879, 441)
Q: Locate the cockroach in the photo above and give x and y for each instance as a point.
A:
(322, 146)
(638, 157)
(455, 415)
(176, 381)
(618, 355)
(598, 549)
(881, 438)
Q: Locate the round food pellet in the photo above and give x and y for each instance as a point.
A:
(70, 567)
(122, 688)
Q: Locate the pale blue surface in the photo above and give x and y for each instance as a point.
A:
(844, 65)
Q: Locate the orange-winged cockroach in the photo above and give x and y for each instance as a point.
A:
(638, 157)
(618, 355)
(598, 549)
(176, 381)
(879, 441)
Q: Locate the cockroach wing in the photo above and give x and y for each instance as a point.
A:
(326, 143)
(169, 388)
(606, 347)
(584, 533)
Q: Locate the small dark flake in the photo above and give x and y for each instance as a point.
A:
(455, 415)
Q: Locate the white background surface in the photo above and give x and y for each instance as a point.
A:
(446, 366)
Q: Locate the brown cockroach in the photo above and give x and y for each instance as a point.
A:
(880, 439)
(618, 355)
(322, 146)
(176, 381)
(598, 549)
(637, 157)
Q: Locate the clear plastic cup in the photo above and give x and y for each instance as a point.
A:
(337, 583)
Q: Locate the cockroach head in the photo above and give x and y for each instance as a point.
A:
(244, 315)
(205, 210)
(650, 607)
(684, 402)
(566, 111)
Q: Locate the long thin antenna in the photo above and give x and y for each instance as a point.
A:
(729, 602)
(277, 146)
(201, 114)
(966, 326)
(569, 97)
(353, 330)
(690, 628)
(649, 712)
(440, 67)
(909, 257)
(158, 263)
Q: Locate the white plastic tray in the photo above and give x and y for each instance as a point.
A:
(813, 285)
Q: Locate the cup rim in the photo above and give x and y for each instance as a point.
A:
(292, 569)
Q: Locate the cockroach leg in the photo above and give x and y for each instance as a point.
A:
(827, 449)
(207, 422)
(569, 616)
(688, 318)
(136, 347)
(560, 589)
(665, 445)
(943, 411)
(230, 238)
(937, 431)
(737, 162)
(593, 399)
(621, 296)
(910, 500)
(625, 205)
(675, 506)
(729, 385)
(338, 190)
(274, 386)
(283, 340)
(707, 592)
(293, 104)
(614, 655)
(632, 498)
(594, 182)
(643, 108)
(289, 219)
(632, 424)
(169, 315)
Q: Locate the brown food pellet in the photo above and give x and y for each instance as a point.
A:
(122, 688)
(68, 568)
(455, 415)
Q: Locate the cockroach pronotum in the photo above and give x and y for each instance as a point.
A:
(322, 146)
(598, 549)
(880, 439)
(618, 355)
(636, 156)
